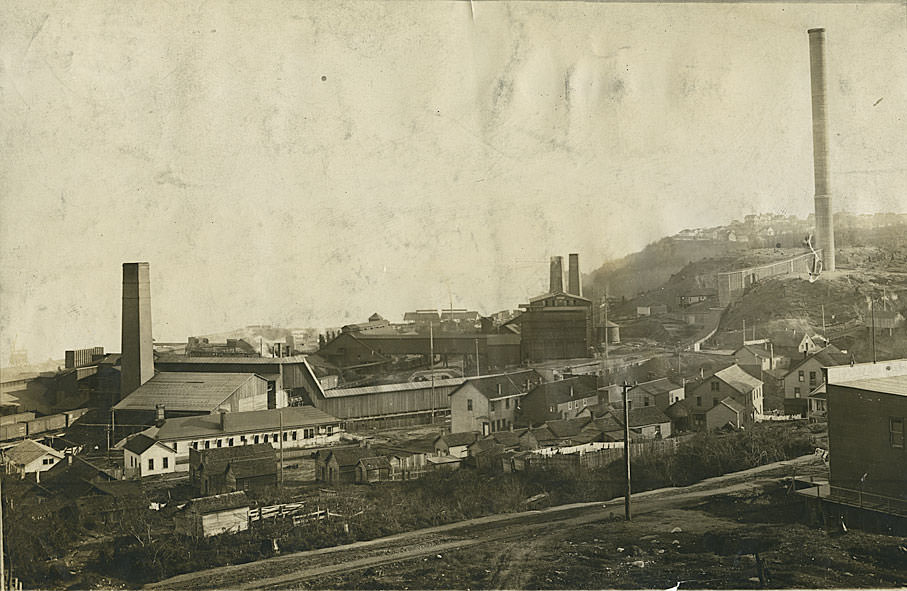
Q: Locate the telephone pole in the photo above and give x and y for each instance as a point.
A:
(626, 388)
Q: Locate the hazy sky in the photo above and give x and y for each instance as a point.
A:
(307, 164)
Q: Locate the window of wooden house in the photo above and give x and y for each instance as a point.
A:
(230, 442)
(469, 404)
(151, 463)
(207, 444)
(800, 376)
(166, 462)
(896, 432)
(716, 386)
(507, 403)
(812, 378)
(797, 392)
(491, 406)
(699, 401)
(293, 435)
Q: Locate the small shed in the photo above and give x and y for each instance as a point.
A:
(144, 456)
(228, 469)
(214, 515)
(455, 444)
(370, 470)
(338, 465)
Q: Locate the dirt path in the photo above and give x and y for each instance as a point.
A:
(514, 531)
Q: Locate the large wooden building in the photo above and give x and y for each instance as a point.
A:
(556, 325)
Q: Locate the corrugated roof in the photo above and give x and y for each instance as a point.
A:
(27, 451)
(384, 388)
(889, 385)
(294, 417)
(232, 360)
(739, 380)
(185, 391)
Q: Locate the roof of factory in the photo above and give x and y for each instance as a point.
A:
(185, 391)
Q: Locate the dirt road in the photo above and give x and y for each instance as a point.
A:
(515, 534)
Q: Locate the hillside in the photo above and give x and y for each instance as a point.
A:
(654, 265)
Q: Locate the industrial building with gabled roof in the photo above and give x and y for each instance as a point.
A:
(291, 427)
(185, 393)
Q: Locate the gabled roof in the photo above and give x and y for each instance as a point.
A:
(375, 463)
(541, 434)
(511, 384)
(349, 456)
(292, 417)
(573, 388)
(732, 404)
(139, 444)
(647, 415)
(754, 350)
(459, 438)
(213, 504)
(27, 451)
(185, 391)
(739, 380)
(552, 294)
(487, 445)
(564, 428)
(245, 461)
(678, 410)
(507, 438)
(827, 356)
(656, 387)
(398, 387)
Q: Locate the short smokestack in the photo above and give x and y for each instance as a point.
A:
(159, 414)
(574, 284)
(825, 232)
(556, 283)
(137, 361)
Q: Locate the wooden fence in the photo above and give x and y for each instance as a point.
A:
(592, 460)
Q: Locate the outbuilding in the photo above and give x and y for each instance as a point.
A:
(30, 457)
(214, 515)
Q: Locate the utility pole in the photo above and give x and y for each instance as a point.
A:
(824, 335)
(626, 387)
(872, 311)
(744, 332)
(477, 357)
(2, 567)
(431, 366)
(280, 416)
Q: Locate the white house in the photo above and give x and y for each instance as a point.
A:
(143, 456)
(30, 457)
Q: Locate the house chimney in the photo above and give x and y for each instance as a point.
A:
(574, 282)
(137, 361)
(223, 419)
(159, 412)
(556, 282)
(499, 389)
(825, 231)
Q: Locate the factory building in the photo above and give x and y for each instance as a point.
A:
(558, 324)
(177, 394)
(388, 404)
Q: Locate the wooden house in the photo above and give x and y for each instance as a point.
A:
(455, 444)
(370, 470)
(228, 469)
(338, 465)
(144, 456)
(30, 458)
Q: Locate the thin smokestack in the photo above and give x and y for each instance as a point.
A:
(574, 284)
(556, 283)
(137, 361)
(825, 232)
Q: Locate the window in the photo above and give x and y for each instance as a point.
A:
(896, 432)
(796, 392)
(286, 436)
(230, 442)
(166, 462)
(469, 404)
(220, 443)
(195, 445)
(507, 403)
(714, 402)
(207, 444)
(293, 435)
(256, 439)
(242, 439)
(646, 401)
(716, 386)
(330, 429)
(699, 401)
(812, 378)
(151, 463)
(800, 376)
(491, 406)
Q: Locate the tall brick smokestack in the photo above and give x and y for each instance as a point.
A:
(137, 361)
(556, 282)
(574, 283)
(825, 231)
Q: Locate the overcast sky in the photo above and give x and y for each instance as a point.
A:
(308, 164)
